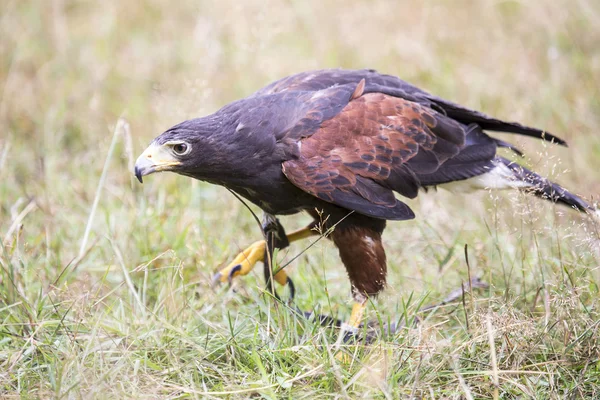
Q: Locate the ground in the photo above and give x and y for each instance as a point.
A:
(105, 283)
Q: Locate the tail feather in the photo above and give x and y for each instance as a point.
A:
(546, 189)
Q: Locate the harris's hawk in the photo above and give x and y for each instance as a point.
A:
(337, 144)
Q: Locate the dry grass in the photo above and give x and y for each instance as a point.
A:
(132, 314)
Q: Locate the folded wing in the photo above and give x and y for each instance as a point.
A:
(377, 144)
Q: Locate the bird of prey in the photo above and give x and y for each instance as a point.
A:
(338, 144)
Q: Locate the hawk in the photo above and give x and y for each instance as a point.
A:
(341, 145)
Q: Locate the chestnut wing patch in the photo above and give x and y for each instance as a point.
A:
(376, 145)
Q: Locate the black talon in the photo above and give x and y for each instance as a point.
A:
(351, 336)
(322, 319)
(290, 283)
(235, 269)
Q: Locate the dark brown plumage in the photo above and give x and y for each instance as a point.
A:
(375, 145)
(338, 144)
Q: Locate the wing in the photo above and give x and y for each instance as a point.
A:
(377, 144)
(393, 86)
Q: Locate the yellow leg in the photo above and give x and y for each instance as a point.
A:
(247, 259)
(358, 311)
(302, 234)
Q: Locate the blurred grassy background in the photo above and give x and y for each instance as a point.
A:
(74, 327)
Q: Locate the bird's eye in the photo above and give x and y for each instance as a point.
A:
(180, 148)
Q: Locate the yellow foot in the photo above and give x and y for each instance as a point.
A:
(245, 262)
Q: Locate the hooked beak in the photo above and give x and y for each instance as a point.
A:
(155, 158)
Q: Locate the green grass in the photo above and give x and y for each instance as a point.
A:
(128, 311)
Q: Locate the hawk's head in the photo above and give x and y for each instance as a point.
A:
(189, 148)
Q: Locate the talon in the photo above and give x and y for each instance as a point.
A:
(242, 264)
(350, 335)
(245, 262)
(232, 273)
(290, 282)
